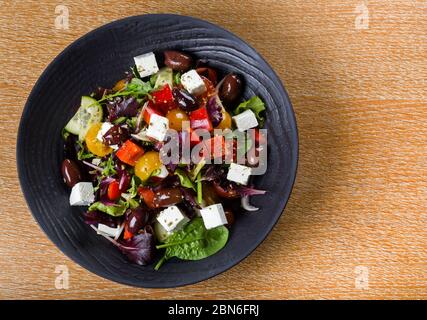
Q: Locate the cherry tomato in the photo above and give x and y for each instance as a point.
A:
(176, 117)
(120, 85)
(113, 191)
(148, 196)
(146, 164)
(93, 144)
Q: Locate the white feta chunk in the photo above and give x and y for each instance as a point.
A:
(141, 135)
(245, 120)
(193, 82)
(82, 194)
(108, 231)
(96, 161)
(103, 130)
(213, 216)
(239, 173)
(158, 127)
(146, 64)
(163, 172)
(172, 219)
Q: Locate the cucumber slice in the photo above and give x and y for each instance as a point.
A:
(164, 76)
(90, 112)
(160, 232)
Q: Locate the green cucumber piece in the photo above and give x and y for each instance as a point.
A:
(90, 112)
(160, 232)
(164, 76)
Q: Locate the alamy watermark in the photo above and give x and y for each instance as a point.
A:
(62, 280)
(361, 21)
(361, 280)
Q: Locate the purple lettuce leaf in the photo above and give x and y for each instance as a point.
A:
(248, 191)
(189, 196)
(214, 111)
(139, 249)
(95, 217)
(122, 107)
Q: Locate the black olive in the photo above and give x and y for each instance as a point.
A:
(231, 89)
(184, 100)
(71, 172)
(178, 61)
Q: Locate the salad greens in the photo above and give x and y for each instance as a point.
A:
(193, 242)
(113, 158)
(256, 105)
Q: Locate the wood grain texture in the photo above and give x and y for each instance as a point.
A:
(360, 199)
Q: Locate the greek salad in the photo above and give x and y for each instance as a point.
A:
(158, 160)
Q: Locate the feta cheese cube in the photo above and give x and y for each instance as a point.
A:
(146, 64)
(96, 161)
(193, 82)
(108, 231)
(158, 127)
(163, 172)
(245, 120)
(104, 128)
(172, 219)
(82, 194)
(213, 216)
(239, 173)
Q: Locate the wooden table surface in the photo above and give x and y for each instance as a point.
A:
(355, 225)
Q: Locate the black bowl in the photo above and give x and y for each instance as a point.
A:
(100, 58)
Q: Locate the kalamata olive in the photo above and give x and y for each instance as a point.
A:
(227, 191)
(231, 89)
(209, 194)
(167, 197)
(137, 219)
(229, 215)
(178, 61)
(71, 172)
(115, 135)
(208, 73)
(184, 99)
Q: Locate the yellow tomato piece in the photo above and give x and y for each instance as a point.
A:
(145, 165)
(225, 122)
(93, 144)
(120, 85)
(176, 117)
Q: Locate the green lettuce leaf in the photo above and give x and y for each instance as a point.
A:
(256, 105)
(115, 211)
(184, 179)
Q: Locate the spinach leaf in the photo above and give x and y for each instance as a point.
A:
(184, 179)
(256, 105)
(115, 211)
(194, 242)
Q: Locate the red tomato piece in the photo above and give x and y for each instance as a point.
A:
(163, 99)
(113, 191)
(199, 119)
(149, 111)
(129, 153)
(148, 195)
